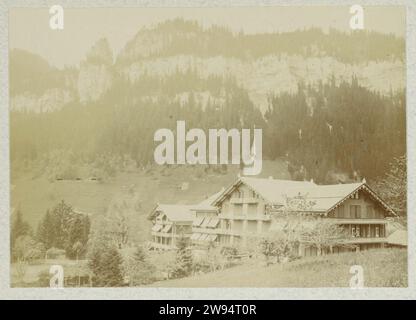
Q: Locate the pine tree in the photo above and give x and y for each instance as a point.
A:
(105, 263)
(62, 228)
(139, 255)
(78, 231)
(139, 269)
(19, 228)
(183, 262)
(61, 223)
(111, 273)
(393, 186)
(46, 232)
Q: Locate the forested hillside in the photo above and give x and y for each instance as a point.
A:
(332, 105)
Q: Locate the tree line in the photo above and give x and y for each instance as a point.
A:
(322, 131)
(60, 229)
(179, 37)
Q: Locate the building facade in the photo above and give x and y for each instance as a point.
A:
(169, 223)
(252, 206)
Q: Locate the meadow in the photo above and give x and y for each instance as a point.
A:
(382, 268)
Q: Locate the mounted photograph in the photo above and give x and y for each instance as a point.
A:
(215, 147)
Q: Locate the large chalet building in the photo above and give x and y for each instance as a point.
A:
(250, 207)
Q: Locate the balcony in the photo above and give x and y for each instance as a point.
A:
(243, 200)
(228, 232)
(367, 240)
(205, 230)
(170, 234)
(156, 245)
(358, 221)
(263, 217)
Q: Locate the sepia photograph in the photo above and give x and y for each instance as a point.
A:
(211, 147)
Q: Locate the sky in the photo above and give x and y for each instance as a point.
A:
(29, 27)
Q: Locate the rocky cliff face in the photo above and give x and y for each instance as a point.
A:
(261, 64)
(95, 75)
(274, 74)
(93, 81)
(51, 100)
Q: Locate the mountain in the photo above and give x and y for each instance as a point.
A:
(266, 63)
(330, 104)
(95, 75)
(262, 64)
(36, 86)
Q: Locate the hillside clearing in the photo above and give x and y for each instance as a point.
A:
(35, 195)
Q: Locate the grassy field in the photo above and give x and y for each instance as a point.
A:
(33, 195)
(382, 268)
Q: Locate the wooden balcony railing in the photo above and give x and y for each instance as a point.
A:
(243, 200)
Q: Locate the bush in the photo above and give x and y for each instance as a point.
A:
(27, 249)
(137, 269)
(55, 253)
(44, 279)
(183, 265)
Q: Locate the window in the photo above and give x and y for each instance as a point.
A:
(341, 212)
(355, 211)
(353, 231)
(238, 209)
(377, 232)
(358, 212)
(252, 209)
(370, 212)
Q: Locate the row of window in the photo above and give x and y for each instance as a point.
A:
(367, 231)
(250, 194)
(162, 240)
(355, 212)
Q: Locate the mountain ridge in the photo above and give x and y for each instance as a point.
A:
(262, 64)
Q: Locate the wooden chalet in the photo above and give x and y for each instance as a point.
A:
(170, 222)
(250, 205)
(253, 206)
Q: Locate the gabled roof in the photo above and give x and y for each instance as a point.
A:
(398, 237)
(270, 190)
(325, 197)
(174, 212)
(207, 204)
(364, 187)
(267, 188)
